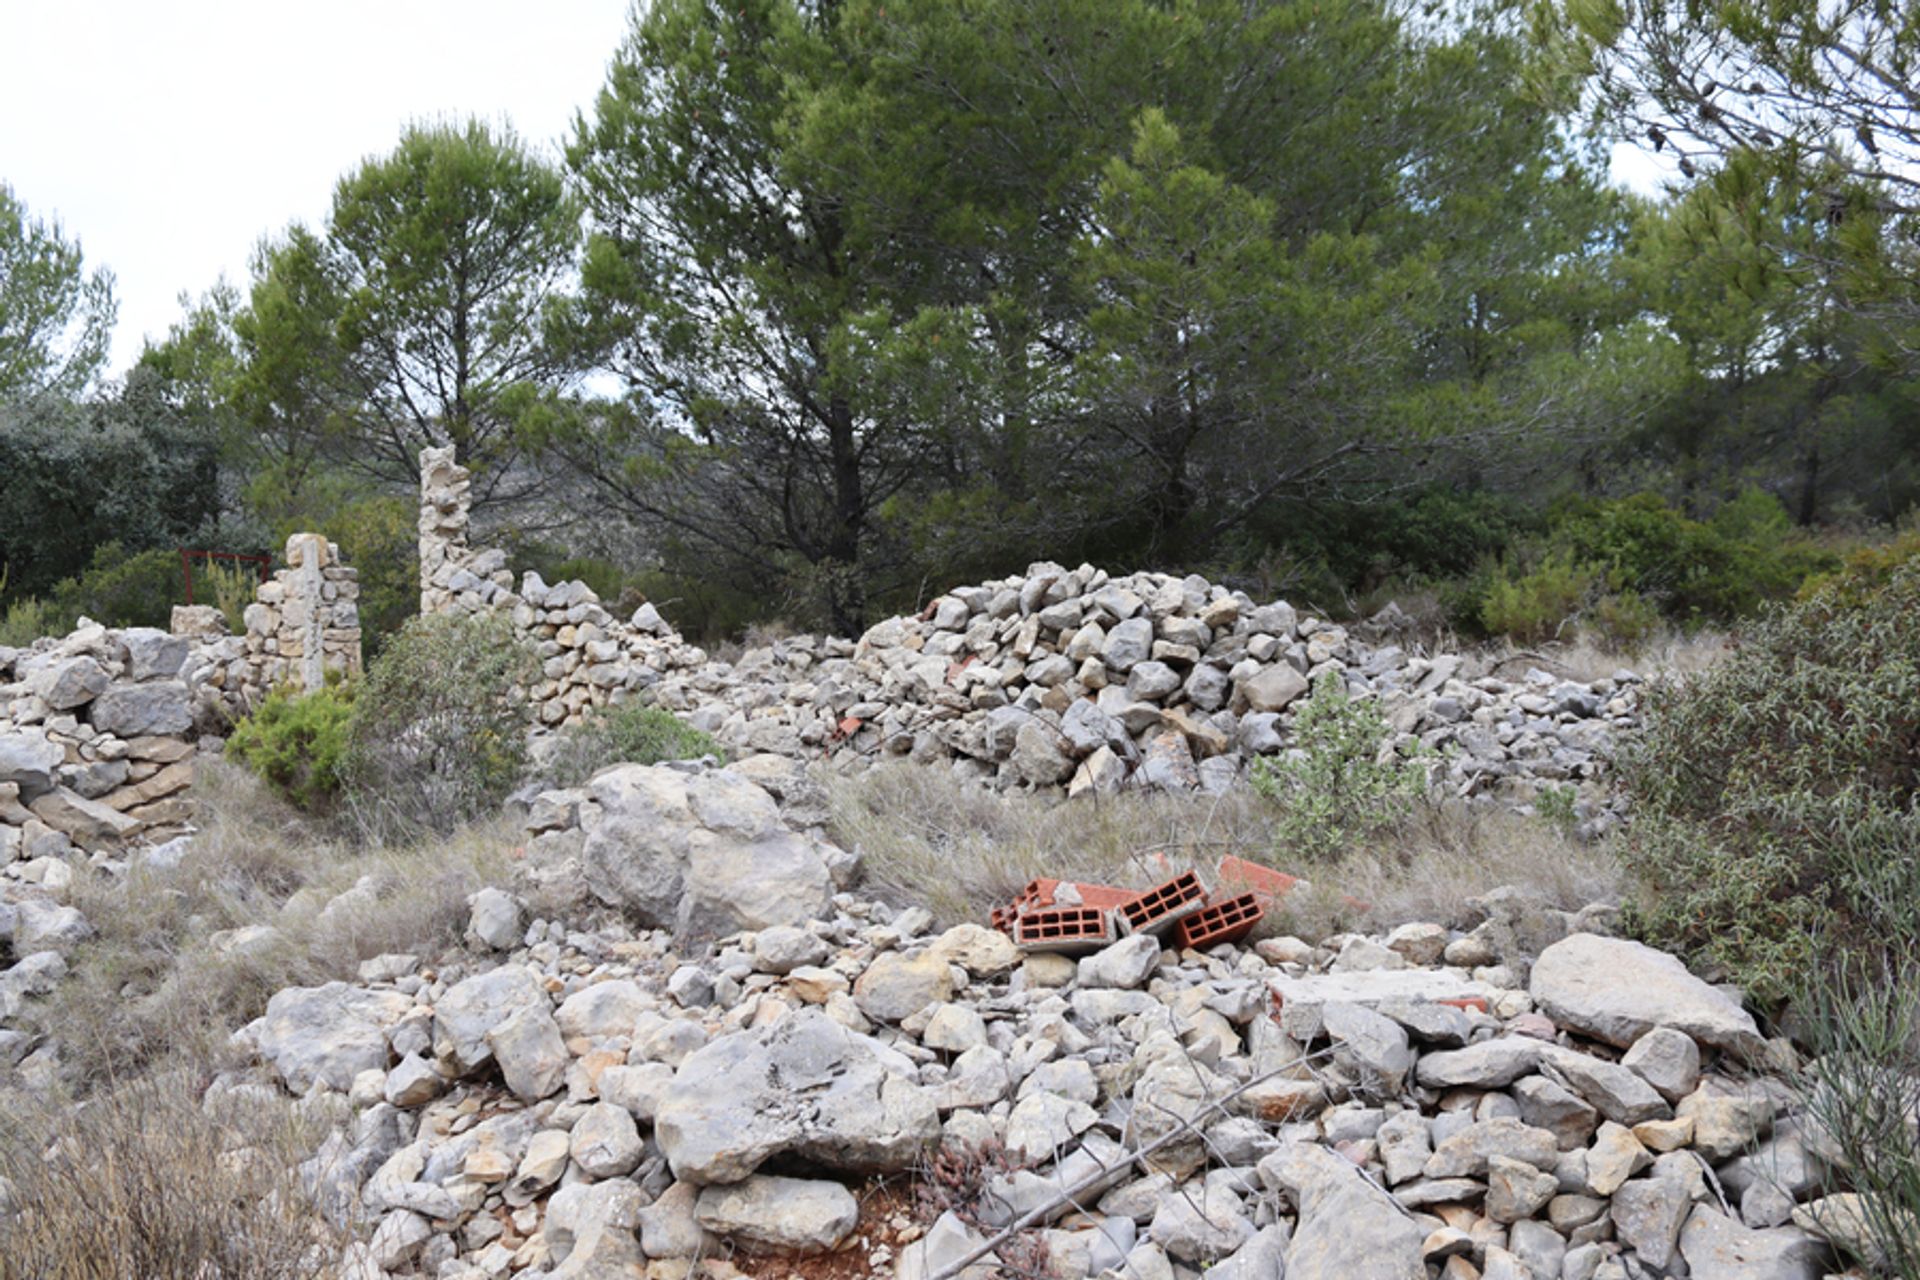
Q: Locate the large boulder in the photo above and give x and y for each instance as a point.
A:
(1349, 1229)
(1617, 991)
(787, 1215)
(139, 710)
(700, 853)
(804, 1086)
(327, 1034)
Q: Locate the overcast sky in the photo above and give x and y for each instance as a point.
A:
(170, 136)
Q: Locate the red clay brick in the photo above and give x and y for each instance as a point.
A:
(1221, 920)
(1063, 929)
(1237, 875)
(1160, 907)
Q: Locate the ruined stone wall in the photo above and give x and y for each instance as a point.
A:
(99, 729)
(588, 657)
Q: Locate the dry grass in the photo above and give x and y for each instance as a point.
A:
(152, 1181)
(936, 840)
(1586, 658)
(156, 982)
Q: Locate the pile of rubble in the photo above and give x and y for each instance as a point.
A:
(1074, 678)
(1524, 1097)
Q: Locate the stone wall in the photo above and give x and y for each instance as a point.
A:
(588, 657)
(99, 728)
(303, 623)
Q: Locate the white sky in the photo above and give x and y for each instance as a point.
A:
(169, 136)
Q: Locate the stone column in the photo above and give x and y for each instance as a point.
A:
(305, 609)
(444, 497)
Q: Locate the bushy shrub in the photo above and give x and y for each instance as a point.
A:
(631, 733)
(1864, 571)
(438, 734)
(1777, 795)
(1534, 605)
(1623, 620)
(1340, 783)
(297, 741)
(26, 620)
(121, 589)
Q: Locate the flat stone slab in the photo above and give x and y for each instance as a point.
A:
(1371, 988)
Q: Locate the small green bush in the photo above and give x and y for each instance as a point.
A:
(1532, 606)
(632, 733)
(26, 620)
(1777, 795)
(1623, 620)
(1864, 572)
(121, 589)
(297, 741)
(439, 728)
(1340, 783)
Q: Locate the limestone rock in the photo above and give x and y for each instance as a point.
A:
(326, 1034)
(788, 1215)
(804, 1085)
(1616, 991)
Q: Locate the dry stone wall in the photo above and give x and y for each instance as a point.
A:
(99, 729)
(588, 657)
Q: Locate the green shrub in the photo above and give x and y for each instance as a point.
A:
(1623, 620)
(1535, 605)
(1340, 783)
(1726, 568)
(631, 733)
(121, 589)
(26, 620)
(1864, 572)
(1777, 795)
(439, 729)
(297, 741)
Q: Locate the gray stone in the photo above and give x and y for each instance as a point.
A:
(1128, 642)
(327, 1034)
(1200, 1224)
(39, 925)
(497, 920)
(65, 682)
(1668, 1060)
(1490, 1064)
(896, 986)
(1274, 689)
(1647, 1216)
(1467, 1153)
(1546, 1105)
(804, 1085)
(153, 654)
(1619, 1094)
(1040, 754)
(30, 761)
(784, 948)
(1718, 1248)
(787, 1215)
(470, 1009)
(1043, 1125)
(160, 707)
(1616, 991)
(1516, 1190)
(1124, 965)
(1348, 1229)
(605, 1143)
(603, 1010)
(591, 1230)
(1370, 1045)
(533, 1058)
(702, 854)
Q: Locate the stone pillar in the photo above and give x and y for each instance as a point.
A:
(305, 609)
(445, 487)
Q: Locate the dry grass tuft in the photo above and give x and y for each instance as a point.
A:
(168, 974)
(931, 838)
(152, 1181)
(1586, 658)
